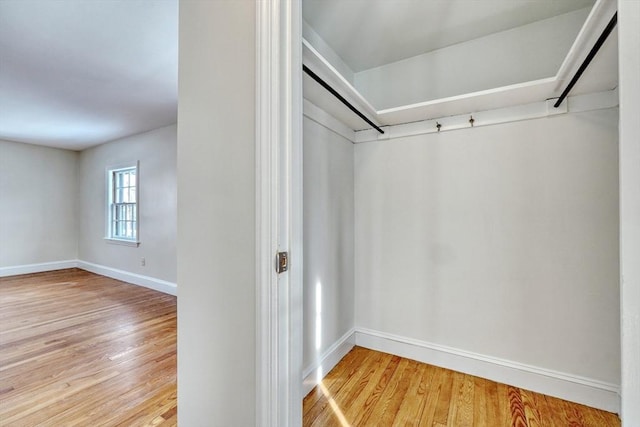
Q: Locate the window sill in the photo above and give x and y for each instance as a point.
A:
(122, 242)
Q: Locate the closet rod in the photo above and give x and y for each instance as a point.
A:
(325, 85)
(610, 26)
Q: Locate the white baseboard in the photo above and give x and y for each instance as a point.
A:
(37, 268)
(327, 361)
(114, 273)
(133, 278)
(586, 391)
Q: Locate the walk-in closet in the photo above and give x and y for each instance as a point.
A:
(461, 200)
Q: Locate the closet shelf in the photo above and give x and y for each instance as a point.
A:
(602, 77)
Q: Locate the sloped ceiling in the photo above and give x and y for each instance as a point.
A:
(76, 73)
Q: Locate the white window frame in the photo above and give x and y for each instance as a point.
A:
(109, 235)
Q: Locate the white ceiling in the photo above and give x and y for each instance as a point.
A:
(370, 33)
(76, 73)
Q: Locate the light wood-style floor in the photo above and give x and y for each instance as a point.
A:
(78, 349)
(369, 388)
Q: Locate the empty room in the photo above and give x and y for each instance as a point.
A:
(88, 213)
(320, 213)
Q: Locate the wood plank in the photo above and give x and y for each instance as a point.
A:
(410, 410)
(351, 375)
(393, 395)
(335, 379)
(480, 404)
(461, 413)
(440, 378)
(445, 395)
(539, 403)
(373, 393)
(531, 412)
(352, 389)
(516, 408)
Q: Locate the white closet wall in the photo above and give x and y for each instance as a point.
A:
(501, 241)
(328, 242)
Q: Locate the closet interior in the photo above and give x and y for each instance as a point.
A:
(453, 213)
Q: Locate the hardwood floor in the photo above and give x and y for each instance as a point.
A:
(78, 349)
(369, 388)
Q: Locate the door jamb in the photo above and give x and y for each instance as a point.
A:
(278, 204)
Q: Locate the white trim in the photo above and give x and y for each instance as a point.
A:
(296, 214)
(536, 110)
(480, 93)
(318, 115)
(122, 242)
(16, 270)
(114, 273)
(110, 170)
(278, 212)
(574, 388)
(133, 278)
(327, 361)
(266, 226)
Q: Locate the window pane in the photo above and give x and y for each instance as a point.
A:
(123, 210)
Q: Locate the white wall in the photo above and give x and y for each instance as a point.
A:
(328, 240)
(216, 214)
(629, 44)
(500, 240)
(522, 54)
(156, 152)
(38, 204)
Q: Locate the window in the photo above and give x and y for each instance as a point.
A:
(123, 204)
